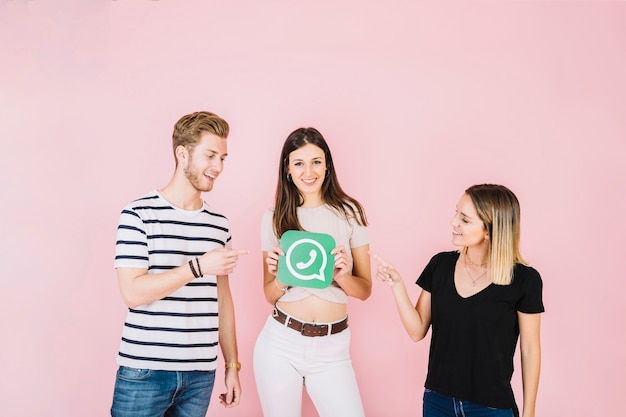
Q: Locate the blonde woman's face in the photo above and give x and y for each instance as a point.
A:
(467, 228)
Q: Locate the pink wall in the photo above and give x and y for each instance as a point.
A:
(418, 101)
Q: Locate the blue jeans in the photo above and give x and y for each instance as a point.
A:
(150, 393)
(437, 405)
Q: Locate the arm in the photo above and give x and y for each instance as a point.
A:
(272, 286)
(353, 274)
(415, 319)
(530, 349)
(138, 287)
(228, 342)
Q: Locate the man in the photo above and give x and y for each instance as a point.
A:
(173, 257)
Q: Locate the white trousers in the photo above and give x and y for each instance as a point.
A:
(285, 360)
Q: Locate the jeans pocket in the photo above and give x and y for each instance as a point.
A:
(133, 374)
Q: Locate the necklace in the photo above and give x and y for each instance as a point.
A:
(474, 263)
(474, 281)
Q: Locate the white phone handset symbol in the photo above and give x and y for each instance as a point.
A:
(304, 265)
(300, 270)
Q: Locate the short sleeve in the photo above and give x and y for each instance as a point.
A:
(268, 237)
(531, 300)
(440, 265)
(425, 279)
(360, 235)
(131, 247)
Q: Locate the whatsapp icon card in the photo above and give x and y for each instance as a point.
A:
(307, 261)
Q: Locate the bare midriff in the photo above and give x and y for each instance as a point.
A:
(314, 310)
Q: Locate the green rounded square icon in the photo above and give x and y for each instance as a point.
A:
(307, 261)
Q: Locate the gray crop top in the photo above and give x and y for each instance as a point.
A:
(321, 219)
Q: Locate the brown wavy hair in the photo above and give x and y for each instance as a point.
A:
(289, 198)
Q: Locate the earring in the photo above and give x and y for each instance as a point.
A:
(289, 177)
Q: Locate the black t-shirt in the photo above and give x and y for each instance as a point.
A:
(473, 339)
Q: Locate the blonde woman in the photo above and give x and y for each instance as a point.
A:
(479, 300)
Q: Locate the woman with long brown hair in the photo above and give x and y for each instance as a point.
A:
(306, 339)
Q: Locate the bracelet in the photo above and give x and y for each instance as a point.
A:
(193, 271)
(199, 270)
(283, 289)
(235, 365)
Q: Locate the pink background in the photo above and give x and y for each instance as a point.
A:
(418, 100)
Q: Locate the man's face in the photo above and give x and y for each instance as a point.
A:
(206, 162)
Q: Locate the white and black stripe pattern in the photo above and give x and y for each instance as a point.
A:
(180, 331)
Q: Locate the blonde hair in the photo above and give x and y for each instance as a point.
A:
(499, 210)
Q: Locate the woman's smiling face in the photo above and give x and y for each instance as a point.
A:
(307, 168)
(467, 227)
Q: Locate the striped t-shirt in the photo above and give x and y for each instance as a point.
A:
(180, 331)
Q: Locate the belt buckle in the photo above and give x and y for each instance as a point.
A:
(317, 329)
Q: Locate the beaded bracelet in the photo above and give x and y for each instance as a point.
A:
(193, 271)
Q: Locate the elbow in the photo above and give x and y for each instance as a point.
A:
(131, 301)
(530, 348)
(131, 304)
(364, 291)
(417, 333)
(270, 299)
(269, 295)
(416, 337)
(531, 353)
(368, 292)
(365, 294)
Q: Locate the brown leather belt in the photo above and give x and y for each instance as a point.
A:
(310, 329)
